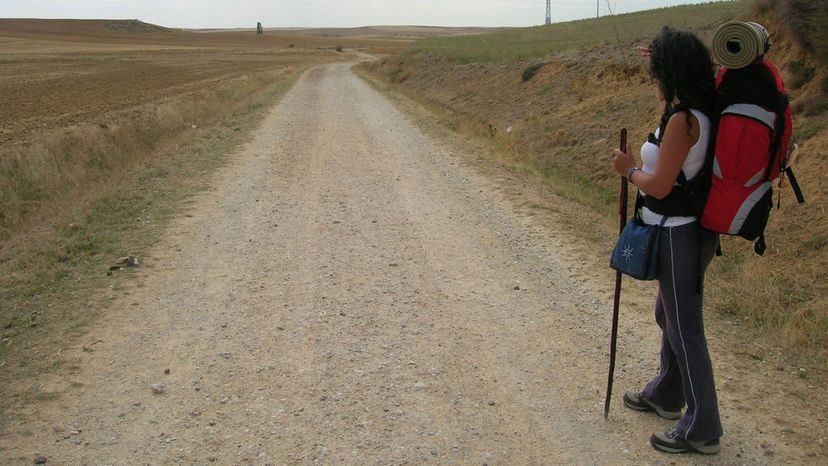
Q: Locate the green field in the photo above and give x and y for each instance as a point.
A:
(510, 45)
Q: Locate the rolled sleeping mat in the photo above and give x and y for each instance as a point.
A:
(737, 44)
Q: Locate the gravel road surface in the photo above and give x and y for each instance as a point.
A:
(353, 291)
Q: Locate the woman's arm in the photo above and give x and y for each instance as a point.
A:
(675, 145)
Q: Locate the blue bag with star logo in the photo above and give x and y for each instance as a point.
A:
(636, 252)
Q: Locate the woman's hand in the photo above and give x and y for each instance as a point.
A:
(624, 161)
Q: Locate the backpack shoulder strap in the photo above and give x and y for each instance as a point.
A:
(781, 115)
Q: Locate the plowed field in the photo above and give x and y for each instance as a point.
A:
(58, 74)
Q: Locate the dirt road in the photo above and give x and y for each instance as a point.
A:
(354, 292)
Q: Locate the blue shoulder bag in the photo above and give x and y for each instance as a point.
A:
(636, 252)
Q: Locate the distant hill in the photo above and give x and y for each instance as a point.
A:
(515, 44)
(407, 32)
(80, 28)
(134, 25)
(133, 31)
(388, 31)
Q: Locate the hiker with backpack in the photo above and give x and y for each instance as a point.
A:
(682, 68)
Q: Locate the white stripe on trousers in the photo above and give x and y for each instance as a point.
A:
(681, 337)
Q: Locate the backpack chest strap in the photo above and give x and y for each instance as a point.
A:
(754, 112)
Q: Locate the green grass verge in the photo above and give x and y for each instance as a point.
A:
(518, 44)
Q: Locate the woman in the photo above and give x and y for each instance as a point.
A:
(683, 72)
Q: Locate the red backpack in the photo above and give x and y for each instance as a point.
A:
(752, 141)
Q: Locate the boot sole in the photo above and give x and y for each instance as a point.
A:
(700, 450)
(689, 448)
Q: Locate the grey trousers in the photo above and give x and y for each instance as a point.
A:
(686, 373)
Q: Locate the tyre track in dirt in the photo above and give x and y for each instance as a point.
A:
(351, 293)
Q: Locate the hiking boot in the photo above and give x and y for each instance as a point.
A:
(670, 442)
(634, 400)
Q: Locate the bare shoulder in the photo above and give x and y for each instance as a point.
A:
(679, 131)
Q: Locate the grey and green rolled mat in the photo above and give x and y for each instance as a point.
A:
(737, 44)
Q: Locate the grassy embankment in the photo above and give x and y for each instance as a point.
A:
(109, 127)
(550, 100)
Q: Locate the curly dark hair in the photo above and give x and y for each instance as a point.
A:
(681, 64)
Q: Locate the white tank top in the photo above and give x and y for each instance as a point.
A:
(692, 164)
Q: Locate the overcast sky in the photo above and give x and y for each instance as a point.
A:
(324, 13)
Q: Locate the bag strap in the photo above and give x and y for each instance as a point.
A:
(639, 204)
(761, 246)
(778, 131)
(800, 198)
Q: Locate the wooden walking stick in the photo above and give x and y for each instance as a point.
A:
(622, 213)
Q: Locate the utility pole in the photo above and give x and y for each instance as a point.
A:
(548, 11)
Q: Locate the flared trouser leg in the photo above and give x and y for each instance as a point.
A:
(686, 372)
(666, 389)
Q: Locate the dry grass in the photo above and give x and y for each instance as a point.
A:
(107, 131)
(564, 121)
(88, 100)
(54, 288)
(806, 20)
(63, 163)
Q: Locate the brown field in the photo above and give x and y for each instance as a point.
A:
(88, 104)
(83, 99)
(61, 73)
(54, 91)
